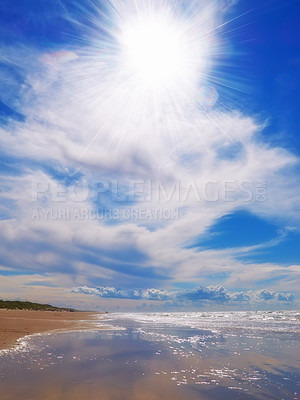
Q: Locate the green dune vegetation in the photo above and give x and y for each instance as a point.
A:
(27, 305)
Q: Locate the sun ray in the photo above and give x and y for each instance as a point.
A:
(143, 68)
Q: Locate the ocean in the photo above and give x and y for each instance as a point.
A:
(148, 356)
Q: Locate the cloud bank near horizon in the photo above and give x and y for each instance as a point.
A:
(214, 294)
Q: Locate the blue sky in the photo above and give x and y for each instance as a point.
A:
(136, 168)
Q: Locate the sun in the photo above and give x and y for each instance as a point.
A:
(158, 51)
(155, 51)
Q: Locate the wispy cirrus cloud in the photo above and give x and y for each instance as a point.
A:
(79, 130)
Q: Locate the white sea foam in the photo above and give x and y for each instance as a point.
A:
(252, 321)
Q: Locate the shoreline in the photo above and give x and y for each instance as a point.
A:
(16, 324)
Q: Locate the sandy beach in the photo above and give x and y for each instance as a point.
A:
(15, 324)
(244, 356)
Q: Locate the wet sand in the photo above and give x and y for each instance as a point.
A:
(145, 362)
(129, 365)
(15, 324)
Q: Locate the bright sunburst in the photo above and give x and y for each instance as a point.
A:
(144, 68)
(161, 50)
(158, 51)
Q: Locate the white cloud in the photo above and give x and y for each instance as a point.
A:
(77, 119)
(214, 294)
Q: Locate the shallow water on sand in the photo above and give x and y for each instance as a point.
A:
(158, 356)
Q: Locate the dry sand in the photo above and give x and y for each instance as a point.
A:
(15, 324)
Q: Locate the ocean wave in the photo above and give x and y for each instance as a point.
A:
(273, 321)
